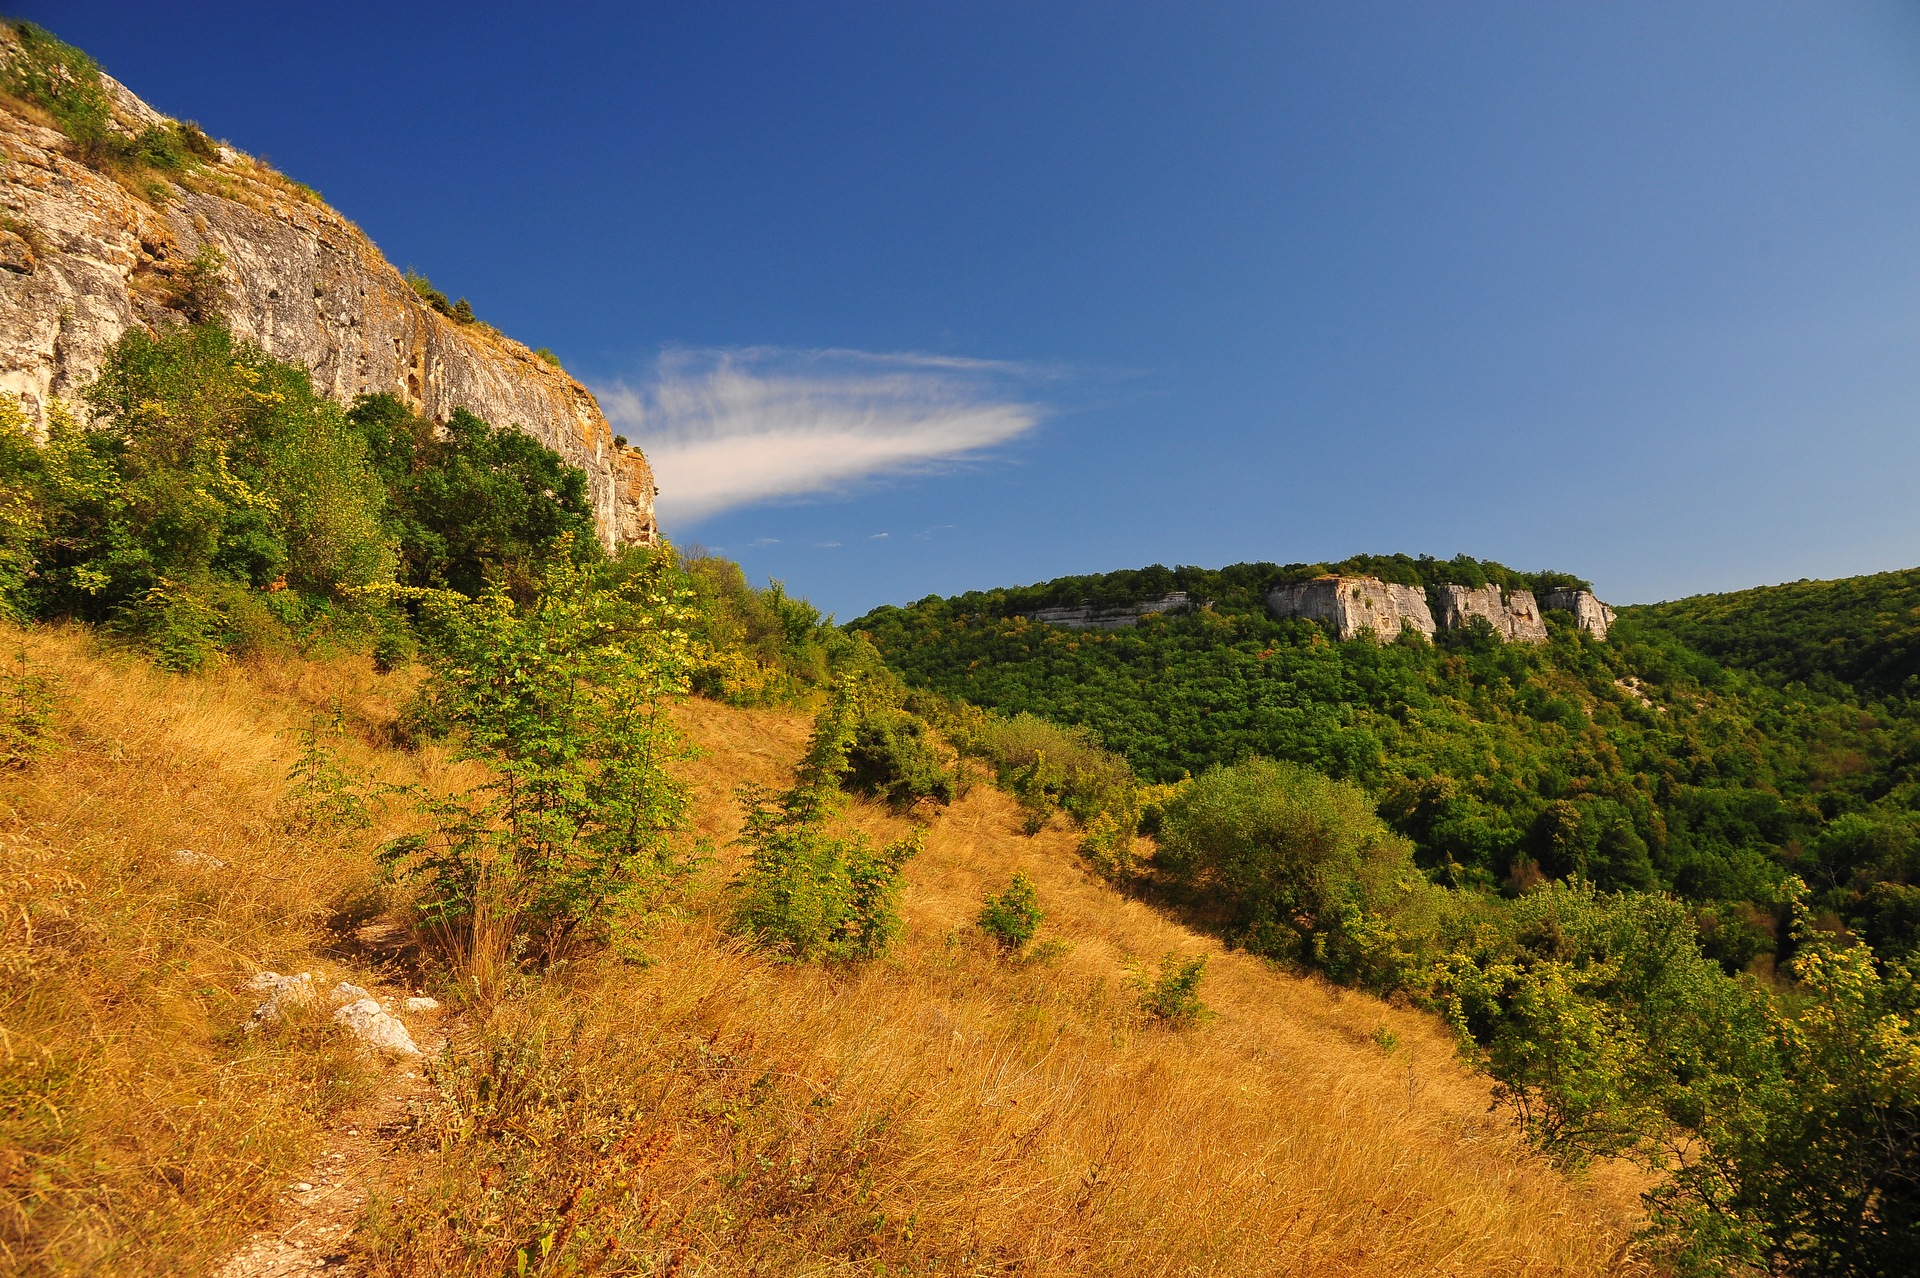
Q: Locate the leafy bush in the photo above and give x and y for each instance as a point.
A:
(472, 505)
(565, 700)
(1048, 768)
(201, 293)
(1813, 1167)
(1012, 917)
(1172, 996)
(806, 894)
(1306, 869)
(1603, 1024)
(762, 645)
(26, 708)
(214, 502)
(892, 758)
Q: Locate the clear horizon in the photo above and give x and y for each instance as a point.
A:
(907, 302)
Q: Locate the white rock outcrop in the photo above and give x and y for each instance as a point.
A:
(1513, 614)
(83, 259)
(1356, 606)
(282, 993)
(1589, 613)
(1114, 617)
(367, 1021)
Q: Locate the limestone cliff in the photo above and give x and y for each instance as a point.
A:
(83, 257)
(1353, 605)
(1513, 614)
(1088, 617)
(1589, 613)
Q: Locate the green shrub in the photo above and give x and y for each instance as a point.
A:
(1603, 1024)
(574, 834)
(1012, 917)
(1810, 1167)
(66, 83)
(762, 646)
(26, 709)
(892, 758)
(1307, 870)
(806, 894)
(472, 505)
(546, 356)
(1048, 769)
(201, 290)
(424, 290)
(1172, 996)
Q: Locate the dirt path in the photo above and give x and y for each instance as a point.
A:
(314, 1219)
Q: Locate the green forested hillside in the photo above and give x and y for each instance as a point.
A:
(1857, 636)
(1711, 747)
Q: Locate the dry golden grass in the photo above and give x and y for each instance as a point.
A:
(140, 1130)
(944, 1110)
(947, 1110)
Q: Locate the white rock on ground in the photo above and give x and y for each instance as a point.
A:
(282, 992)
(421, 1005)
(365, 1021)
(197, 860)
(347, 993)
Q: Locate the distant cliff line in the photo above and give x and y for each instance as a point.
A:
(1367, 607)
(92, 245)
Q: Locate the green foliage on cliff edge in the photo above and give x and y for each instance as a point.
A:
(212, 501)
(39, 68)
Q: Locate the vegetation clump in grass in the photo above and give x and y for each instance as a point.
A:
(1014, 916)
(1172, 995)
(571, 838)
(807, 894)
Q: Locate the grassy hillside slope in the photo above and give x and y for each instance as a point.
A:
(711, 1110)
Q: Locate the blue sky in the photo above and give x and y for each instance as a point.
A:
(911, 299)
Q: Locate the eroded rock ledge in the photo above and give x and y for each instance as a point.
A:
(1089, 617)
(83, 258)
(1354, 606)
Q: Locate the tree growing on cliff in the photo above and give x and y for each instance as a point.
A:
(473, 506)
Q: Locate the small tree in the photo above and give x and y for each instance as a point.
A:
(1014, 916)
(807, 894)
(1173, 996)
(566, 700)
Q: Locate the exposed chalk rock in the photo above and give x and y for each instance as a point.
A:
(421, 1005)
(1589, 613)
(197, 860)
(82, 260)
(365, 1020)
(1355, 606)
(1114, 617)
(282, 992)
(1513, 614)
(345, 992)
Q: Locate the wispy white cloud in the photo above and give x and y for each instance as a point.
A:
(726, 428)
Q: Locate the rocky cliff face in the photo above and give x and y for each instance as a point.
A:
(1353, 605)
(84, 257)
(1589, 613)
(1114, 618)
(1514, 615)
